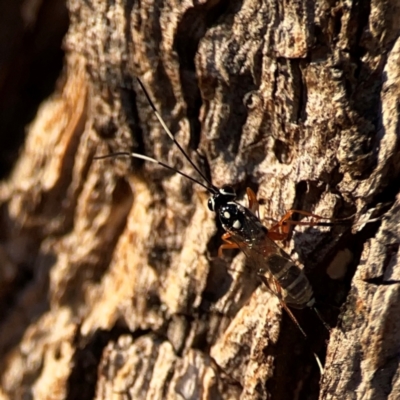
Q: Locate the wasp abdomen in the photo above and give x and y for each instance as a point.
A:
(296, 287)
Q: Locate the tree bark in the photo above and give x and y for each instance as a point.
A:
(126, 296)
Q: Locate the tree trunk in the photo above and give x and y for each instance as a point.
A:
(125, 295)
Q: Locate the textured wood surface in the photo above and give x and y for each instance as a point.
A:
(125, 297)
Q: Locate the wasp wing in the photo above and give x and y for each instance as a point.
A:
(275, 268)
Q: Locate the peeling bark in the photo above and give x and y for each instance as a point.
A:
(127, 297)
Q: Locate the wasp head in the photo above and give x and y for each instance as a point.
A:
(220, 198)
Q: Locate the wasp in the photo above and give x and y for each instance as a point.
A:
(245, 231)
(274, 267)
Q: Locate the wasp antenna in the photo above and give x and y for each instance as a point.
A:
(112, 155)
(153, 160)
(169, 133)
(321, 368)
(324, 323)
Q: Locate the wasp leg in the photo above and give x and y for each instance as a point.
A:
(277, 290)
(253, 202)
(281, 229)
(278, 293)
(227, 245)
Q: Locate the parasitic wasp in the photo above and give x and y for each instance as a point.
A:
(245, 231)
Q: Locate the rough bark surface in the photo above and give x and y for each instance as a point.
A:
(126, 297)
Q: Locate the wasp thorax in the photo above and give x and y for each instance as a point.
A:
(232, 218)
(222, 197)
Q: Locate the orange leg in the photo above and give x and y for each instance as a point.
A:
(253, 202)
(277, 236)
(227, 245)
(225, 237)
(276, 289)
(280, 230)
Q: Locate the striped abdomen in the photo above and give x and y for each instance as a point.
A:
(297, 291)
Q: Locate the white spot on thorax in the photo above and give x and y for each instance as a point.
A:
(237, 224)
